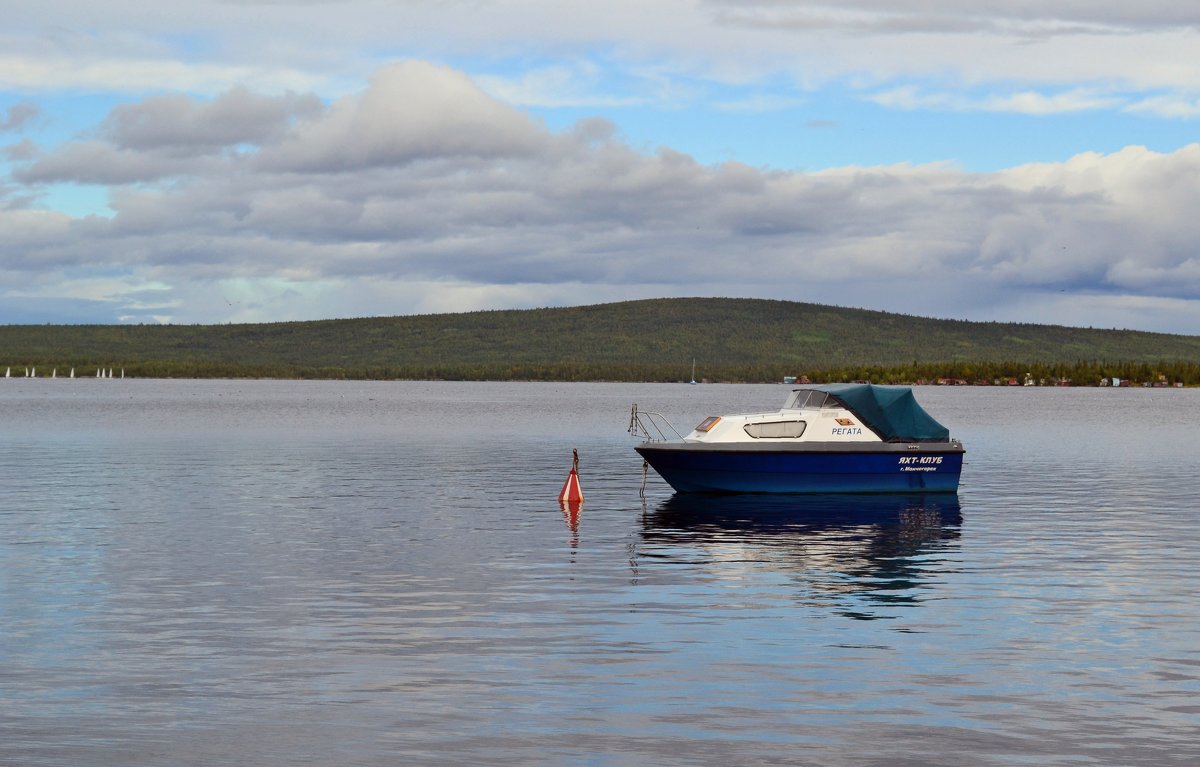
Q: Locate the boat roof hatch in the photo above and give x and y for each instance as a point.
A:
(891, 412)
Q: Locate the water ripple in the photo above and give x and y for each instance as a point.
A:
(371, 574)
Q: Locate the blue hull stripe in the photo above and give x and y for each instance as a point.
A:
(709, 471)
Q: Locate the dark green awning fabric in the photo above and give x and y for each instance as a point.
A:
(892, 412)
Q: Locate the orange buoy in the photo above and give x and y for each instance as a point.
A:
(571, 491)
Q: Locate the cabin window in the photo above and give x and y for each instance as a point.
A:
(775, 429)
(708, 423)
(810, 398)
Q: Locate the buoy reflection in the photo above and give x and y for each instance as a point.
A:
(570, 512)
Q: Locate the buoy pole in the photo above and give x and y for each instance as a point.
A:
(571, 491)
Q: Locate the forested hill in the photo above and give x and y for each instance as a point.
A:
(730, 339)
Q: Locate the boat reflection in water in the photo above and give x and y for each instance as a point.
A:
(854, 553)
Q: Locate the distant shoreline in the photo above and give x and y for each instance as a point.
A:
(1163, 382)
(657, 340)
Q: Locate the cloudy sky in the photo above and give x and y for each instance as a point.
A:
(257, 160)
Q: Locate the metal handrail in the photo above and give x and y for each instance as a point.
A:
(643, 422)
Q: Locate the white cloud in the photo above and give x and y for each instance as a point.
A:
(422, 193)
(910, 97)
(245, 151)
(1032, 103)
(177, 122)
(413, 110)
(98, 162)
(18, 116)
(1178, 106)
(104, 72)
(571, 52)
(962, 16)
(577, 85)
(24, 150)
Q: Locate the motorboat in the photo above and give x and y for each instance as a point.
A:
(830, 438)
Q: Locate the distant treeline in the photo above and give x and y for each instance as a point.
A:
(735, 340)
(1076, 374)
(1073, 373)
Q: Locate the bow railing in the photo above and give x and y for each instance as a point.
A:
(651, 426)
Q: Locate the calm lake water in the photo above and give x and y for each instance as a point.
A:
(293, 573)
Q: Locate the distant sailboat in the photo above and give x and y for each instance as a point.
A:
(693, 381)
(72, 372)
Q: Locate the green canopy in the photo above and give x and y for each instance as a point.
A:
(892, 412)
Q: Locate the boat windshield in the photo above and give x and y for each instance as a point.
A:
(809, 398)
